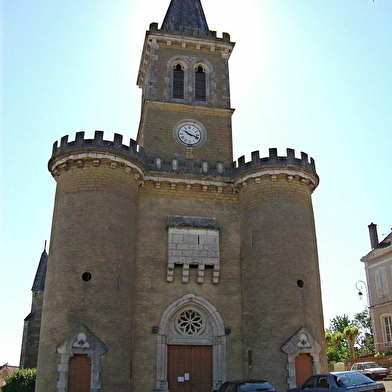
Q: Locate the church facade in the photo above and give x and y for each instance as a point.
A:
(170, 267)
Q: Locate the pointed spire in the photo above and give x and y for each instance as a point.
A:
(185, 17)
(39, 280)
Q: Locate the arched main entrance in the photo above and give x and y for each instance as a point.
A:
(191, 333)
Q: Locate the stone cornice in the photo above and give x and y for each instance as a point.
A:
(377, 254)
(306, 178)
(211, 43)
(185, 106)
(141, 174)
(78, 159)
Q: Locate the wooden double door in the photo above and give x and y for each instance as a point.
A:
(189, 368)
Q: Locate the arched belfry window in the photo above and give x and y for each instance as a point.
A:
(178, 81)
(200, 84)
(189, 79)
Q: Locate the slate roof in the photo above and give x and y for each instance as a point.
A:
(381, 247)
(39, 280)
(387, 240)
(185, 17)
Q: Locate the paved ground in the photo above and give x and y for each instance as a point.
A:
(388, 385)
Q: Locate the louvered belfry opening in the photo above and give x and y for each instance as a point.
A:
(178, 82)
(200, 84)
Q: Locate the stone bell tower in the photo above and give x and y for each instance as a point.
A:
(171, 267)
(184, 78)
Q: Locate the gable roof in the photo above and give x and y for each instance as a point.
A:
(383, 247)
(386, 241)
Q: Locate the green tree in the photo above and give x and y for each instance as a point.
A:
(21, 381)
(365, 338)
(339, 323)
(349, 338)
(336, 349)
(350, 334)
(363, 320)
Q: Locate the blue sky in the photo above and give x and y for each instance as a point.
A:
(313, 75)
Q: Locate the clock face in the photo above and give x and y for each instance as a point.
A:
(189, 134)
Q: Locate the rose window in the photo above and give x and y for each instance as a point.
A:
(190, 322)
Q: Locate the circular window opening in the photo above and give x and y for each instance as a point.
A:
(190, 322)
(300, 283)
(86, 276)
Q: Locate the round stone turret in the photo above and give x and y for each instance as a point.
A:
(91, 272)
(287, 166)
(279, 259)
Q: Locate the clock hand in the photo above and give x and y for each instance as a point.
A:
(192, 134)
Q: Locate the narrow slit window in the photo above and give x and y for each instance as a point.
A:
(200, 84)
(178, 82)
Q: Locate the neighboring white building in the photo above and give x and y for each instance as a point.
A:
(378, 266)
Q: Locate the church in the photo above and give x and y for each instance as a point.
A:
(171, 266)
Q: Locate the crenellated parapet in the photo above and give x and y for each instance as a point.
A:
(190, 31)
(274, 160)
(134, 159)
(98, 148)
(98, 143)
(275, 167)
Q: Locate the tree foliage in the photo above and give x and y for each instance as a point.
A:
(339, 323)
(350, 334)
(365, 338)
(22, 380)
(349, 338)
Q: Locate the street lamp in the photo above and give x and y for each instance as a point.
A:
(360, 285)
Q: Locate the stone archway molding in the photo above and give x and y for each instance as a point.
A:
(217, 339)
(81, 341)
(302, 342)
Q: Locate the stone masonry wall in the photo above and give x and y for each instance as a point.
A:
(279, 262)
(94, 231)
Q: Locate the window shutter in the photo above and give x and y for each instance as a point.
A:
(381, 281)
